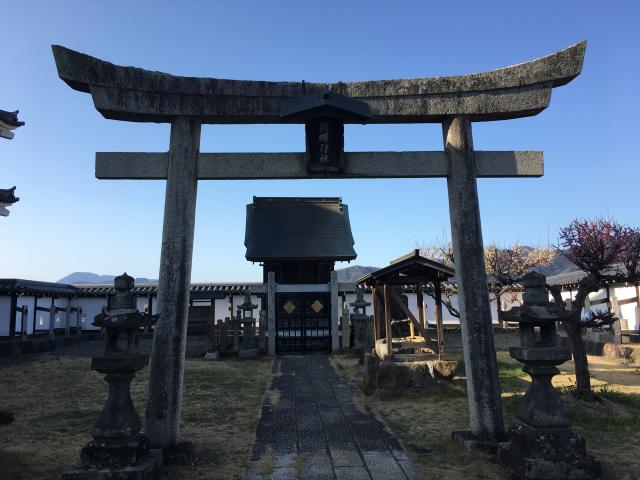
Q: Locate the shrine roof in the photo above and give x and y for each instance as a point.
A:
(7, 195)
(294, 228)
(10, 119)
(408, 269)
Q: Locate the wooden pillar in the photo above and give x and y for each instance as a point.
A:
(483, 386)
(614, 308)
(379, 311)
(637, 306)
(67, 318)
(52, 319)
(149, 328)
(439, 327)
(271, 313)
(24, 319)
(79, 321)
(35, 313)
(13, 315)
(166, 370)
(376, 319)
(420, 302)
(212, 310)
(387, 320)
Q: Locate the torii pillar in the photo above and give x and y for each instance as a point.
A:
(136, 95)
(483, 387)
(166, 376)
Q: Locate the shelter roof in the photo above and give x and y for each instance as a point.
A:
(294, 228)
(408, 269)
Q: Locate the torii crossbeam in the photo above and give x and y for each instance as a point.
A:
(136, 95)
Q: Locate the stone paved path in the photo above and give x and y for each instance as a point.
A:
(314, 431)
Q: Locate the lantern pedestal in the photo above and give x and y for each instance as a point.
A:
(363, 340)
(541, 445)
(246, 319)
(248, 349)
(119, 451)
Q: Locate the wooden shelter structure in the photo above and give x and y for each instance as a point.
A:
(409, 270)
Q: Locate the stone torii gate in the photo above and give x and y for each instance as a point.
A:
(136, 95)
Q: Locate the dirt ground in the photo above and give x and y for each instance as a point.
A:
(424, 423)
(56, 399)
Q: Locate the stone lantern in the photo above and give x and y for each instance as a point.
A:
(362, 325)
(118, 446)
(247, 320)
(541, 445)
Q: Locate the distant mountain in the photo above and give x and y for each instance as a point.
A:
(351, 274)
(559, 265)
(80, 278)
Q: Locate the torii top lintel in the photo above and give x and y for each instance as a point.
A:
(137, 95)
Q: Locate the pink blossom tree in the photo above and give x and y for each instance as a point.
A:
(604, 250)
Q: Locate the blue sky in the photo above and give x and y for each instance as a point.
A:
(67, 220)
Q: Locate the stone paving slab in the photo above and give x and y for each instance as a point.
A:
(314, 431)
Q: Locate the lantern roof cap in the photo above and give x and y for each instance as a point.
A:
(325, 104)
(247, 304)
(360, 302)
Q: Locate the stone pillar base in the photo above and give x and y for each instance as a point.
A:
(471, 442)
(147, 468)
(100, 454)
(548, 454)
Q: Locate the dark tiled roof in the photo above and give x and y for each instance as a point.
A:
(282, 228)
(412, 265)
(10, 118)
(33, 287)
(570, 279)
(203, 290)
(8, 195)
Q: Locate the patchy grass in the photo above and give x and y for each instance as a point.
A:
(57, 399)
(424, 424)
(506, 369)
